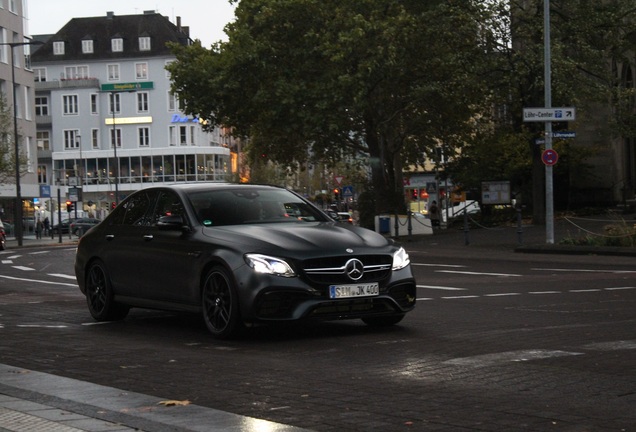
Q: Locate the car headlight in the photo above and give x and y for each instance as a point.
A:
(269, 265)
(400, 259)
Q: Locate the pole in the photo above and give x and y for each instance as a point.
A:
(18, 190)
(549, 188)
(59, 212)
(116, 168)
(80, 169)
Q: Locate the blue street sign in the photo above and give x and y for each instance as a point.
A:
(564, 134)
(347, 191)
(45, 191)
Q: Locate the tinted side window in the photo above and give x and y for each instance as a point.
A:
(136, 209)
(168, 204)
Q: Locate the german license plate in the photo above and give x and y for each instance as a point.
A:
(356, 290)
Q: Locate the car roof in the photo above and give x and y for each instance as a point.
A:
(201, 186)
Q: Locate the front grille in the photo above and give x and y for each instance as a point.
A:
(332, 270)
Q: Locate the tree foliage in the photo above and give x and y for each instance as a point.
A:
(391, 80)
(7, 146)
(336, 79)
(589, 41)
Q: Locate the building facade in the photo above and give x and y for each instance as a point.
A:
(12, 25)
(107, 122)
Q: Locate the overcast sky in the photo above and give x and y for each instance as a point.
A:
(206, 18)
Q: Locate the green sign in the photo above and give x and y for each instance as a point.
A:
(126, 87)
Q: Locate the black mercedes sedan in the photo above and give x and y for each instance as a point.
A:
(240, 255)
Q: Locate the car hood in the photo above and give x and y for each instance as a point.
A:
(302, 237)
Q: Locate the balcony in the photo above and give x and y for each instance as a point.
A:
(67, 84)
(43, 121)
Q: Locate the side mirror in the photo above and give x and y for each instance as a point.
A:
(172, 222)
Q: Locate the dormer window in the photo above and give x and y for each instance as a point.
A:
(117, 44)
(144, 43)
(87, 46)
(58, 48)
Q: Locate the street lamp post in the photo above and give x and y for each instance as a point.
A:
(18, 190)
(80, 170)
(116, 168)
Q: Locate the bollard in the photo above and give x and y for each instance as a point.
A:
(519, 228)
(466, 238)
(397, 226)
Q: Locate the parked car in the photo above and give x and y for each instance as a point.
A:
(457, 209)
(240, 254)
(8, 227)
(63, 226)
(345, 217)
(80, 226)
(3, 237)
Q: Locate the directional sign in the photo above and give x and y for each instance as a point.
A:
(549, 114)
(550, 157)
(564, 134)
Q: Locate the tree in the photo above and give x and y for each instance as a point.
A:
(7, 145)
(335, 79)
(588, 40)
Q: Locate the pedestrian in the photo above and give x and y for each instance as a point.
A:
(47, 226)
(39, 227)
(433, 214)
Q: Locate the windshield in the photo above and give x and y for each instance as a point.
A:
(250, 206)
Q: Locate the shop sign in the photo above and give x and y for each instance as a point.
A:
(176, 118)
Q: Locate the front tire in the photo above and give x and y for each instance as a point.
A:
(99, 295)
(220, 304)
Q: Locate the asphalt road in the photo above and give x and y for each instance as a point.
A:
(499, 341)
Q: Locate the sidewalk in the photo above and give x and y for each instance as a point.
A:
(29, 240)
(35, 401)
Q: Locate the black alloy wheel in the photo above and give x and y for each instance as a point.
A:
(220, 304)
(99, 295)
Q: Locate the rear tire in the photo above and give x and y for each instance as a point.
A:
(384, 321)
(99, 295)
(220, 304)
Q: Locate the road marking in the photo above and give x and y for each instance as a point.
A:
(40, 326)
(612, 345)
(479, 273)
(585, 290)
(60, 275)
(23, 268)
(510, 294)
(438, 287)
(7, 261)
(39, 281)
(509, 356)
(39, 252)
(582, 270)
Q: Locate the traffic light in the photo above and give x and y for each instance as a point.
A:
(336, 193)
(113, 205)
(69, 206)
